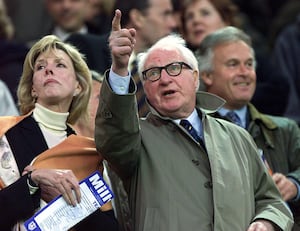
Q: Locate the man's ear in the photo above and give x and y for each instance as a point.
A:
(207, 78)
(196, 79)
(137, 18)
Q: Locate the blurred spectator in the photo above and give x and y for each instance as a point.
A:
(285, 61)
(285, 16)
(98, 16)
(12, 53)
(201, 17)
(152, 20)
(261, 13)
(68, 17)
(95, 48)
(30, 19)
(177, 5)
(7, 105)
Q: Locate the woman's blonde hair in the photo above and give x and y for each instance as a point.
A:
(79, 105)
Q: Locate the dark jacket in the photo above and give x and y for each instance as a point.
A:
(279, 139)
(11, 64)
(285, 61)
(95, 48)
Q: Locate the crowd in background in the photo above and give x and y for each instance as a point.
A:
(277, 93)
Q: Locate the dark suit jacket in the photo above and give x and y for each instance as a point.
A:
(95, 48)
(27, 141)
(11, 64)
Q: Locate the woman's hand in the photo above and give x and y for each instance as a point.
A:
(54, 182)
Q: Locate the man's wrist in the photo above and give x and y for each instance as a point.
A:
(297, 197)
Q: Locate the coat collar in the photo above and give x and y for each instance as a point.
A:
(205, 102)
(25, 137)
(7, 122)
(262, 118)
(264, 122)
(259, 124)
(26, 140)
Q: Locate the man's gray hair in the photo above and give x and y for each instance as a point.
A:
(170, 42)
(228, 34)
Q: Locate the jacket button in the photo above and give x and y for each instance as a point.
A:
(196, 162)
(107, 114)
(208, 184)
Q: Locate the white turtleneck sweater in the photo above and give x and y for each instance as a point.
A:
(53, 124)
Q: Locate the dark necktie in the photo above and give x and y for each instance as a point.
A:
(234, 118)
(190, 129)
(140, 95)
(187, 125)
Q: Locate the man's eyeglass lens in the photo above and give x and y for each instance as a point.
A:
(173, 69)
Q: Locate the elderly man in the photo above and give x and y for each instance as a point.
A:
(183, 169)
(227, 68)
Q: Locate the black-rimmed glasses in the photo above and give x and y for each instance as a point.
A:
(173, 69)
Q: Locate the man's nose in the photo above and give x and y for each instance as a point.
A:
(164, 76)
(244, 69)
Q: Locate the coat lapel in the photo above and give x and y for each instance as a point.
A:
(26, 141)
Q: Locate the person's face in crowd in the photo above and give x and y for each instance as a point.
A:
(172, 96)
(156, 22)
(233, 77)
(68, 14)
(201, 19)
(93, 9)
(54, 81)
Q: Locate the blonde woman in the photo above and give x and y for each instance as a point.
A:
(53, 92)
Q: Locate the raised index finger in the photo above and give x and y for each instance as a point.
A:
(116, 22)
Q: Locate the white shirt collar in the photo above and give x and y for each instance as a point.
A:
(63, 35)
(194, 119)
(242, 112)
